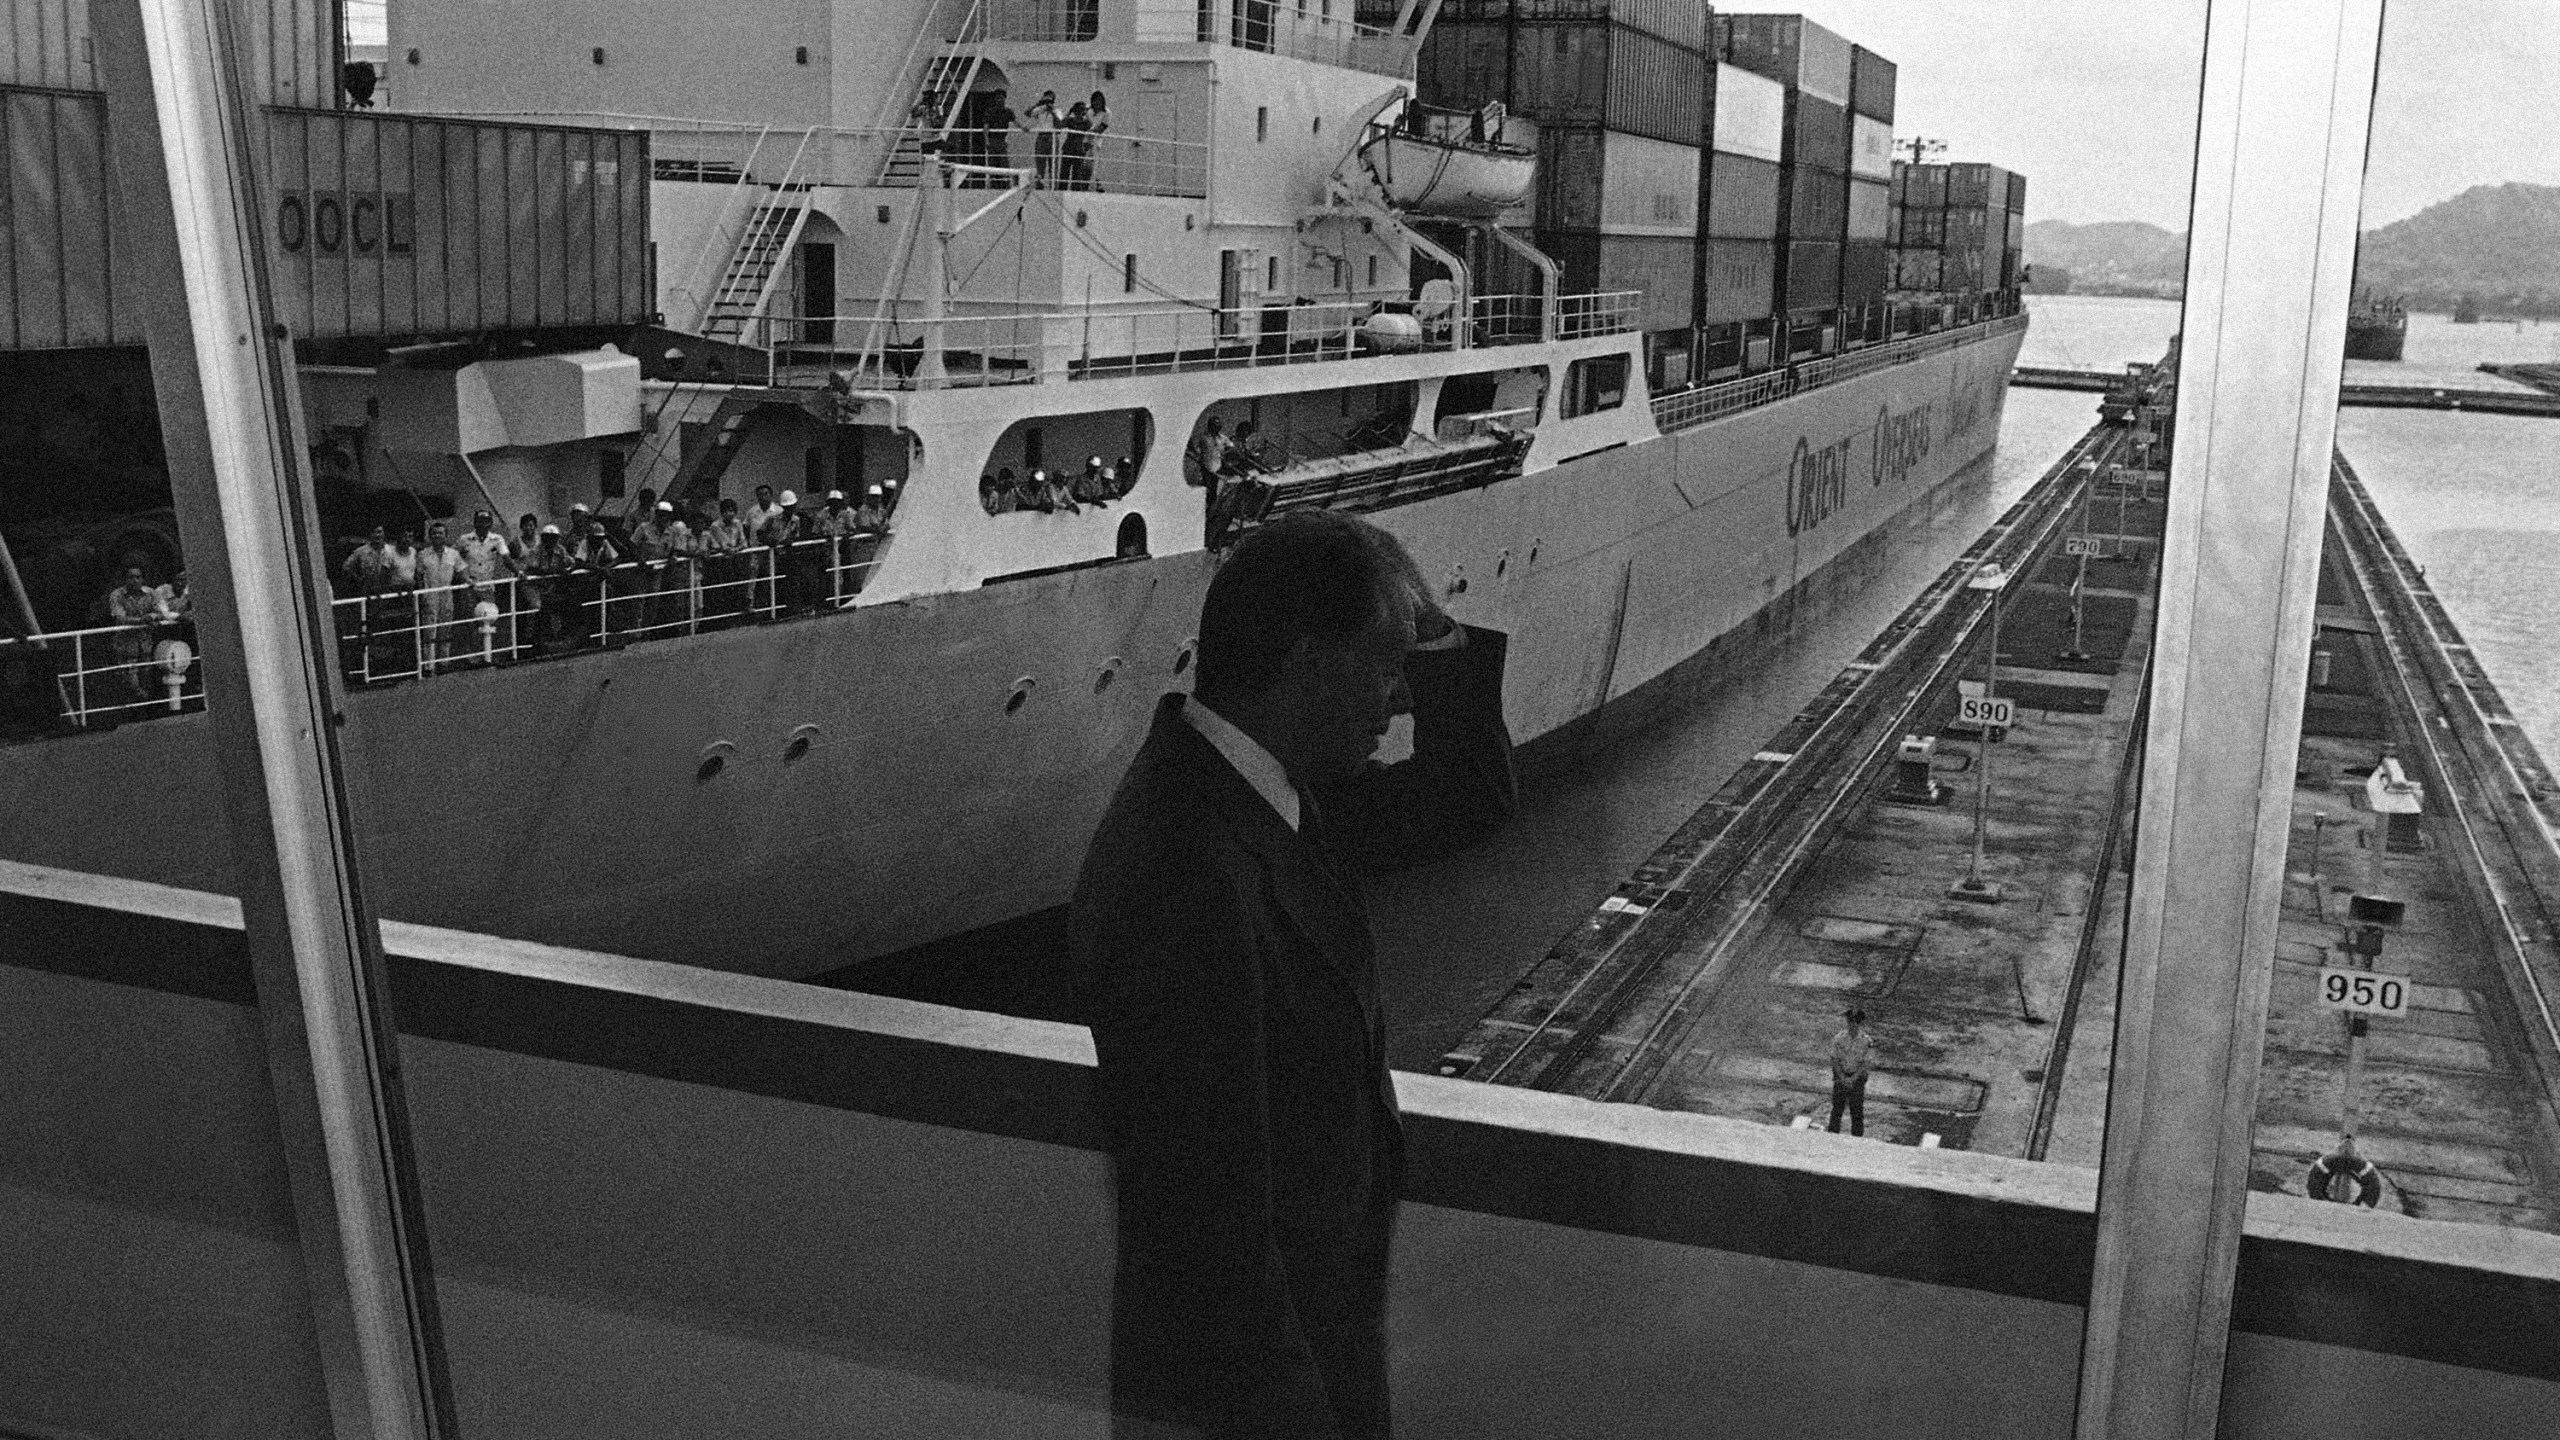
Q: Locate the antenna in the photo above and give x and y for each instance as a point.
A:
(1921, 148)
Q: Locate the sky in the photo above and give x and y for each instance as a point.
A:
(2096, 99)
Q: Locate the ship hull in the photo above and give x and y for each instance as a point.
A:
(575, 801)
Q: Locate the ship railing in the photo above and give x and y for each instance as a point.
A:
(111, 674)
(405, 634)
(735, 153)
(1684, 409)
(1277, 27)
(1041, 346)
(107, 673)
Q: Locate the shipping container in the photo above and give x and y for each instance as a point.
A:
(1870, 149)
(1662, 270)
(1921, 270)
(1976, 185)
(68, 283)
(1866, 272)
(403, 225)
(1923, 228)
(1589, 74)
(1741, 281)
(1789, 49)
(1750, 114)
(2017, 193)
(1817, 203)
(1963, 272)
(1923, 185)
(2017, 233)
(291, 47)
(1871, 83)
(1612, 183)
(1870, 212)
(1813, 275)
(1682, 22)
(46, 45)
(1817, 132)
(1742, 198)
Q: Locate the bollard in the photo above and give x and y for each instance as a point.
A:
(175, 657)
(487, 614)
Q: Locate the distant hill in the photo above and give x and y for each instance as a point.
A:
(2499, 244)
(2116, 257)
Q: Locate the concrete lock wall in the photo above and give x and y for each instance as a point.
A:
(672, 1202)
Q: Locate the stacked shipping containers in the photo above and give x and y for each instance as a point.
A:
(379, 225)
(1620, 91)
(1865, 261)
(1816, 68)
(1744, 191)
(1957, 229)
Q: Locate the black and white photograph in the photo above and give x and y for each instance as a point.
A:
(1279, 719)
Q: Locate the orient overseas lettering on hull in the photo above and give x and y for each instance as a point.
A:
(1817, 483)
(1964, 400)
(1818, 480)
(1898, 442)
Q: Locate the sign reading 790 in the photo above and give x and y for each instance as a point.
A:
(2363, 991)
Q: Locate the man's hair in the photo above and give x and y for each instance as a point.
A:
(1857, 1016)
(1311, 575)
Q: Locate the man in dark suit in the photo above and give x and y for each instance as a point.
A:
(1230, 980)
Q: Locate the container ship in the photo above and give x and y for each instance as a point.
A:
(2377, 329)
(1620, 315)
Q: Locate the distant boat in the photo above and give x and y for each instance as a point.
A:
(2377, 330)
(2466, 311)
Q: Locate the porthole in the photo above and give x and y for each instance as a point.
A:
(1501, 564)
(1021, 694)
(1182, 657)
(1110, 671)
(713, 759)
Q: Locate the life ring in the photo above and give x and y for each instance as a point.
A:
(2331, 1173)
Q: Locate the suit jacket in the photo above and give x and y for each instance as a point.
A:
(1230, 981)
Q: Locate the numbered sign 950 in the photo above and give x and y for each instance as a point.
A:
(2363, 991)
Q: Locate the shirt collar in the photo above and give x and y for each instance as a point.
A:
(1258, 766)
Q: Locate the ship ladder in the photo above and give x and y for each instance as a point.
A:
(755, 268)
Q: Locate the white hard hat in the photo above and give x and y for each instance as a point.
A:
(666, 507)
(579, 509)
(874, 490)
(835, 494)
(789, 499)
(550, 529)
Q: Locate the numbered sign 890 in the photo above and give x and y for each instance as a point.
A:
(2363, 991)
(1993, 714)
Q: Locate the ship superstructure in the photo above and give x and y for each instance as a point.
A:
(1061, 296)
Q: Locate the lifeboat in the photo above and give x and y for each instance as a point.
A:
(1453, 163)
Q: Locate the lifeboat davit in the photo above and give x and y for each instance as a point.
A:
(1425, 169)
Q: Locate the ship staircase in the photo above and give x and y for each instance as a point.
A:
(774, 223)
(756, 266)
(940, 94)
